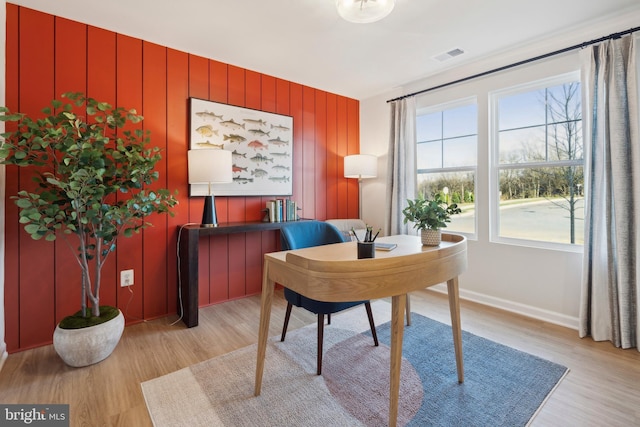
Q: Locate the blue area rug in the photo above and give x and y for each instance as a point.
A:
(502, 387)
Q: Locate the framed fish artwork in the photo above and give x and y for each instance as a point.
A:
(261, 145)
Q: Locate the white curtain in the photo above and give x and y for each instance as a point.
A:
(401, 164)
(610, 288)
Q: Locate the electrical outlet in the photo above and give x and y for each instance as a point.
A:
(126, 278)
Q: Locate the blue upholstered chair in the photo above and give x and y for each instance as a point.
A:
(298, 235)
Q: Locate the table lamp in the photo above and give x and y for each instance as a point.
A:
(360, 166)
(209, 166)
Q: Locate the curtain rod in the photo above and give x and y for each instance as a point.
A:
(515, 64)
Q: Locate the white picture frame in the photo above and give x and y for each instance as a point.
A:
(261, 144)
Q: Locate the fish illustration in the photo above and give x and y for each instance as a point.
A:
(278, 141)
(232, 125)
(234, 138)
(207, 130)
(280, 154)
(255, 122)
(238, 155)
(257, 145)
(236, 168)
(210, 145)
(259, 158)
(259, 132)
(259, 173)
(208, 115)
(281, 168)
(279, 178)
(279, 127)
(242, 180)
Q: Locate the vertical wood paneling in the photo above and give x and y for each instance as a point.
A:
(70, 76)
(253, 205)
(353, 147)
(268, 94)
(236, 91)
(158, 82)
(320, 109)
(310, 179)
(199, 88)
(129, 96)
(295, 106)
(333, 177)
(219, 245)
(12, 232)
(237, 205)
(342, 150)
(177, 144)
(218, 82)
(268, 103)
(101, 85)
(36, 31)
(154, 107)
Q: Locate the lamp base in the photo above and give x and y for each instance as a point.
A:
(209, 217)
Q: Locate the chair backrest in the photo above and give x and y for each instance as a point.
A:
(305, 234)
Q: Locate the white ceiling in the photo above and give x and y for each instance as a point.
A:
(305, 41)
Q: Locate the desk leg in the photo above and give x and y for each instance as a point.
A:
(398, 305)
(188, 304)
(265, 315)
(454, 308)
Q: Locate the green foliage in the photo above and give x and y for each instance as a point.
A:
(429, 214)
(91, 175)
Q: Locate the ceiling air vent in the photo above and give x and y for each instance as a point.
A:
(448, 55)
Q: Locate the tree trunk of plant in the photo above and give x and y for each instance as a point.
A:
(83, 303)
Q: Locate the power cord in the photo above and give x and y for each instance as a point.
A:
(126, 310)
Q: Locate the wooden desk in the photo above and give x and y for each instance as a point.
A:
(333, 273)
(188, 259)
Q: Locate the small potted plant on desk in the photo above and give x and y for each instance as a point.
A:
(430, 216)
(81, 158)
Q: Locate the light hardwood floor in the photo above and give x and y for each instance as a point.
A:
(602, 388)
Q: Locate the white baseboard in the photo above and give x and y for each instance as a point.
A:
(515, 307)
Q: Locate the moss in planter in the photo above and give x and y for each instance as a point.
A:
(76, 321)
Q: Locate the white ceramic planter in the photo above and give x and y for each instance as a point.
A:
(86, 346)
(430, 237)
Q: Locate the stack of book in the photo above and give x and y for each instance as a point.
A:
(282, 210)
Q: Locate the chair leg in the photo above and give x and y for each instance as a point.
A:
(320, 339)
(286, 321)
(329, 319)
(367, 305)
(408, 310)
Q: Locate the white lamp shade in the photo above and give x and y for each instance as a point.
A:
(210, 166)
(360, 166)
(364, 11)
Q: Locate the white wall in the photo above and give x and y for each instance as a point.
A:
(536, 282)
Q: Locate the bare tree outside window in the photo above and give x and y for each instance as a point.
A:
(541, 164)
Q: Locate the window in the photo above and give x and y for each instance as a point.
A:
(447, 157)
(538, 162)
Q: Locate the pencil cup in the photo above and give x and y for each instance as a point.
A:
(366, 250)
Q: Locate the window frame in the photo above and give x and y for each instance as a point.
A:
(495, 167)
(449, 105)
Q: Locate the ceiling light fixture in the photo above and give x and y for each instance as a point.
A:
(364, 11)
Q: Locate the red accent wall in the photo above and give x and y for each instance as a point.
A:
(47, 56)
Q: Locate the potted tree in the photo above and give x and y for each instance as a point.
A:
(430, 216)
(82, 157)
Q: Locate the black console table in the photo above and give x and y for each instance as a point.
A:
(188, 269)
